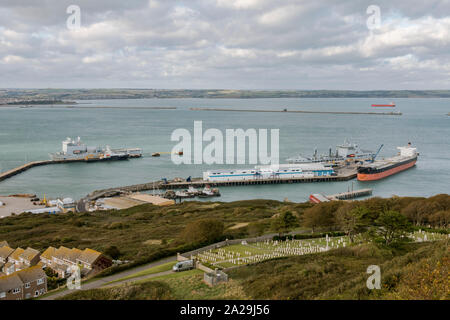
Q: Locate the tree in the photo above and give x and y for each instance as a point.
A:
(391, 226)
(203, 231)
(320, 215)
(113, 252)
(284, 223)
(352, 220)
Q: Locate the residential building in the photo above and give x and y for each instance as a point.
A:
(62, 259)
(24, 284)
(93, 260)
(21, 259)
(4, 244)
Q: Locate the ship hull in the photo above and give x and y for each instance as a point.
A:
(386, 173)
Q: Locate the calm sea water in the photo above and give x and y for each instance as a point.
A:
(28, 134)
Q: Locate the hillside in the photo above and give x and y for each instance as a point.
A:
(413, 271)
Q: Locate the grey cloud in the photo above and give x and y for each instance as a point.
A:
(249, 44)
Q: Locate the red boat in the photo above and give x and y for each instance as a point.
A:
(392, 104)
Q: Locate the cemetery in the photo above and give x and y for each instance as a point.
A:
(248, 253)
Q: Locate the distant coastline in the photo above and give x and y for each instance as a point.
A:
(67, 96)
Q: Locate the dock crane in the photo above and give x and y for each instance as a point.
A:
(376, 154)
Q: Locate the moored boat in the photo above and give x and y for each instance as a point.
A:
(380, 169)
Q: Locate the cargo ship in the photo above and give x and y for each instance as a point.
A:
(392, 104)
(379, 169)
(76, 150)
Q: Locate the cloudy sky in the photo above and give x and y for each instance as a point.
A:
(225, 44)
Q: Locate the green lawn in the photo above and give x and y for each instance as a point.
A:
(161, 268)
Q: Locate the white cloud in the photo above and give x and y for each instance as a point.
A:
(225, 43)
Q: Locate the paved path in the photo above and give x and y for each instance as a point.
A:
(103, 281)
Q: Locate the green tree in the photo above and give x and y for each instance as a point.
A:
(284, 223)
(352, 220)
(113, 252)
(391, 226)
(320, 215)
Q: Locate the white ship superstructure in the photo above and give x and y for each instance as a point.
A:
(343, 151)
(75, 149)
(283, 171)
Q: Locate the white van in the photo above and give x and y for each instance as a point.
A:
(183, 265)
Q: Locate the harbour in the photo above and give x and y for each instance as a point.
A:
(29, 140)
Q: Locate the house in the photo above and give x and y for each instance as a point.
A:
(25, 284)
(93, 260)
(21, 259)
(62, 259)
(5, 252)
(34, 282)
(47, 256)
(4, 244)
(30, 257)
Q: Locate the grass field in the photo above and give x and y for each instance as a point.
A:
(161, 268)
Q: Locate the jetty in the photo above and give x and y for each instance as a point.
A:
(393, 113)
(318, 197)
(350, 194)
(10, 173)
(343, 174)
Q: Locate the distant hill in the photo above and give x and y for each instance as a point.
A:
(22, 95)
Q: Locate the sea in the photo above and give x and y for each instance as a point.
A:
(28, 134)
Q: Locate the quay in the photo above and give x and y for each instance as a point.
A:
(298, 111)
(343, 174)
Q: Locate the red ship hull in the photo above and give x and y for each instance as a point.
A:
(386, 173)
(383, 105)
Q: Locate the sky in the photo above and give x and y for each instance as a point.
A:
(225, 44)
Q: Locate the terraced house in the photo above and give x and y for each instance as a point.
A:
(24, 284)
(62, 259)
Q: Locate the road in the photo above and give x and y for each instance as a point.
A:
(103, 281)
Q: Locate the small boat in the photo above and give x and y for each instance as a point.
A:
(192, 191)
(156, 154)
(182, 194)
(392, 104)
(208, 192)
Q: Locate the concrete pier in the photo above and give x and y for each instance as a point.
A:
(350, 194)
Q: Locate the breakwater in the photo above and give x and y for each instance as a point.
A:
(298, 111)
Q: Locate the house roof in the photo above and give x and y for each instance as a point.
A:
(3, 244)
(29, 254)
(61, 252)
(48, 253)
(5, 252)
(16, 254)
(67, 254)
(89, 256)
(10, 282)
(31, 274)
